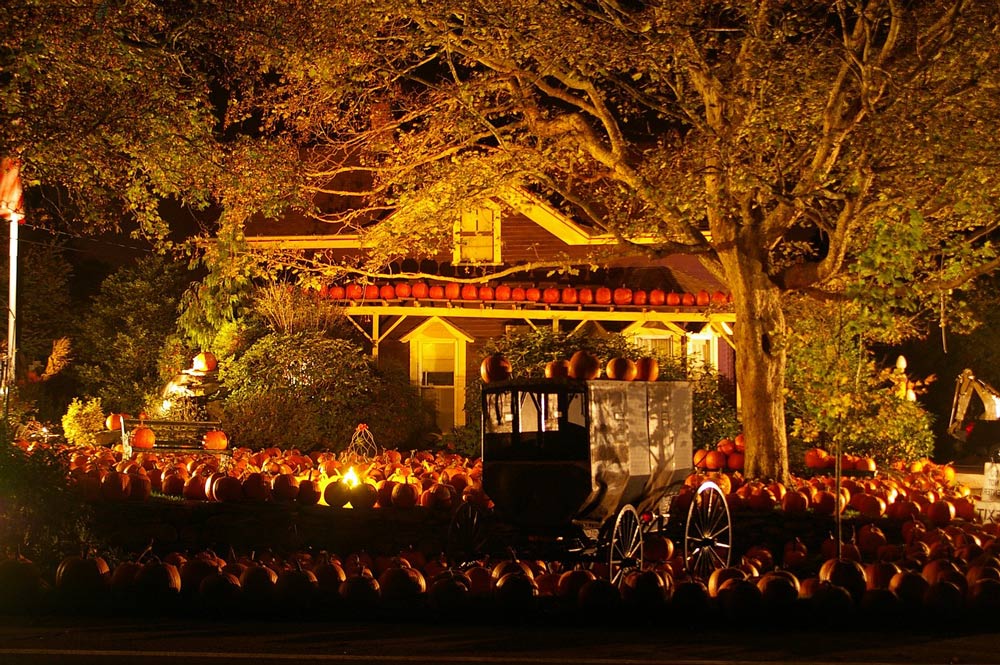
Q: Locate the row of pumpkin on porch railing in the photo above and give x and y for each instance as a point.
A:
(567, 295)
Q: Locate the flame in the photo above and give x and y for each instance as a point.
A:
(351, 478)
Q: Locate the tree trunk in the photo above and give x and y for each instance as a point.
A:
(760, 338)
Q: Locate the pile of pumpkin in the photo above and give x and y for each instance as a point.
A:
(936, 572)
(919, 489)
(433, 480)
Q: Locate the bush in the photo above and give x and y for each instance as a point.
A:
(306, 390)
(83, 420)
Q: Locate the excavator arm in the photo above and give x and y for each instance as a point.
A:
(967, 385)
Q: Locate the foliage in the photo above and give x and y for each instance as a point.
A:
(839, 397)
(287, 309)
(305, 390)
(83, 420)
(111, 109)
(122, 333)
(40, 515)
(713, 402)
(789, 131)
(43, 306)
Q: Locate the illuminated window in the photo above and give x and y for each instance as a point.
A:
(437, 366)
(656, 338)
(477, 236)
(702, 348)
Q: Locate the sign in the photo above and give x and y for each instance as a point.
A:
(991, 482)
(988, 511)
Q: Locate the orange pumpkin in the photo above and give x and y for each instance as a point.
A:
(495, 368)
(584, 365)
(557, 369)
(647, 369)
(215, 439)
(143, 437)
(114, 420)
(621, 369)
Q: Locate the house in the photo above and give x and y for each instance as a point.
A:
(436, 324)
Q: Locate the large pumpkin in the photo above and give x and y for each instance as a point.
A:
(495, 368)
(584, 365)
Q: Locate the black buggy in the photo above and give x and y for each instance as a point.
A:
(583, 469)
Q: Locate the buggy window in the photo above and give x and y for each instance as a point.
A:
(529, 424)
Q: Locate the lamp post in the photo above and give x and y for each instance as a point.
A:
(12, 209)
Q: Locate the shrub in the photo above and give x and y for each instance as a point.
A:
(306, 390)
(83, 420)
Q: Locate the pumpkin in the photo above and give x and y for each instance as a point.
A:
(584, 365)
(621, 369)
(495, 368)
(405, 495)
(557, 369)
(387, 292)
(622, 296)
(363, 496)
(647, 369)
(402, 583)
(215, 439)
(205, 362)
(143, 437)
(114, 420)
(81, 575)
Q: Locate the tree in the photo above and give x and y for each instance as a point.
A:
(129, 324)
(839, 149)
(114, 108)
(840, 398)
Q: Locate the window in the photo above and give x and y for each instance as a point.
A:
(666, 346)
(437, 366)
(477, 236)
(437, 363)
(701, 349)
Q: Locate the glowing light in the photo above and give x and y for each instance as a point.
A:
(351, 478)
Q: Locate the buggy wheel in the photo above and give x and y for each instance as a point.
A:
(708, 535)
(467, 534)
(625, 547)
